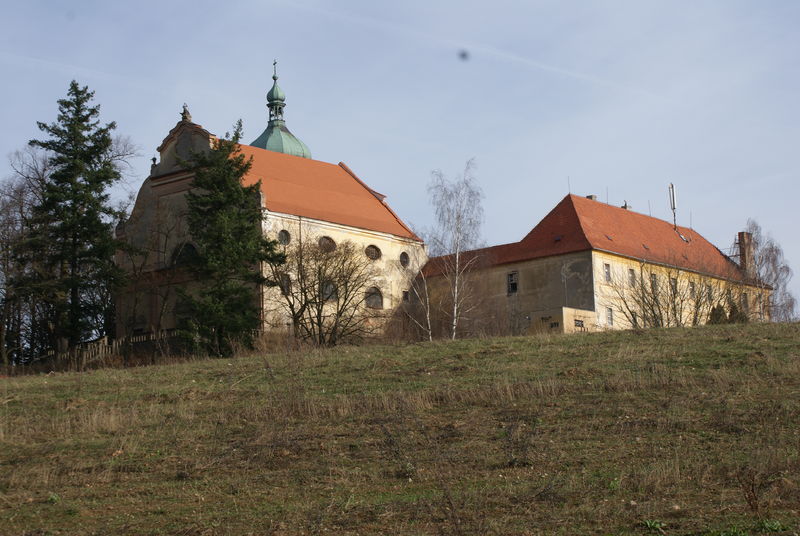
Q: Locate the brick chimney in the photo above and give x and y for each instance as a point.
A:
(746, 253)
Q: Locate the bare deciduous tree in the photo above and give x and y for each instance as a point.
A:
(459, 216)
(330, 292)
(668, 296)
(772, 271)
(419, 307)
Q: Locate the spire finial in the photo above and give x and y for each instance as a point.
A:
(185, 115)
(274, 69)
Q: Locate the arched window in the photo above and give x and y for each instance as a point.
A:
(329, 291)
(404, 260)
(373, 298)
(327, 244)
(285, 283)
(373, 252)
(284, 237)
(183, 254)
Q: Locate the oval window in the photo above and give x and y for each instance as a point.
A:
(404, 260)
(373, 252)
(327, 244)
(284, 237)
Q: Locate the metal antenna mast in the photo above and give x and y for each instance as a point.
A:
(673, 205)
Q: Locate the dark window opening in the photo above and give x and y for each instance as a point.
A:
(406, 296)
(607, 272)
(404, 260)
(327, 244)
(284, 237)
(183, 254)
(329, 291)
(578, 323)
(373, 252)
(632, 277)
(511, 282)
(285, 284)
(373, 298)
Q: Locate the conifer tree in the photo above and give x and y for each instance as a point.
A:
(70, 245)
(225, 223)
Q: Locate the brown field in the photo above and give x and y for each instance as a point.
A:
(679, 432)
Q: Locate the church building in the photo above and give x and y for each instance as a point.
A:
(302, 199)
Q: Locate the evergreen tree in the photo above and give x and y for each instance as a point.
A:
(225, 223)
(70, 246)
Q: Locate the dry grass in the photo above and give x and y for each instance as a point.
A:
(682, 432)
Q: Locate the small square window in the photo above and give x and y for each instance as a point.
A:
(578, 323)
(511, 282)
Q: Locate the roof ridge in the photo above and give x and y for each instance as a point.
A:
(380, 197)
(571, 199)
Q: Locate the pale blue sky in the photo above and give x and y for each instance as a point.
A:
(620, 96)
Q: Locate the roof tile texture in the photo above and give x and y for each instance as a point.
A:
(581, 224)
(321, 191)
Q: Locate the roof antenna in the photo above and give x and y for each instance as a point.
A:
(673, 205)
(690, 219)
(649, 210)
(569, 187)
(606, 195)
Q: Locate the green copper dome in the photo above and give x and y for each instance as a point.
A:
(276, 137)
(276, 93)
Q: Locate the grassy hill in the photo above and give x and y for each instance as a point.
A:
(659, 432)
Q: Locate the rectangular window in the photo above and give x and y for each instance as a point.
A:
(673, 285)
(654, 282)
(578, 323)
(607, 272)
(406, 296)
(553, 325)
(708, 292)
(745, 303)
(511, 282)
(609, 316)
(634, 320)
(692, 291)
(632, 277)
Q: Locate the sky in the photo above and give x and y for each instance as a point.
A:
(616, 98)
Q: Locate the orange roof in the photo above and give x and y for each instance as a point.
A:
(321, 191)
(581, 224)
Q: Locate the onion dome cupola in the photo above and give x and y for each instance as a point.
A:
(276, 137)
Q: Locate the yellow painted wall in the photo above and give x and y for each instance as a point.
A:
(614, 291)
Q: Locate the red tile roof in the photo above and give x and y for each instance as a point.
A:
(581, 224)
(321, 191)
